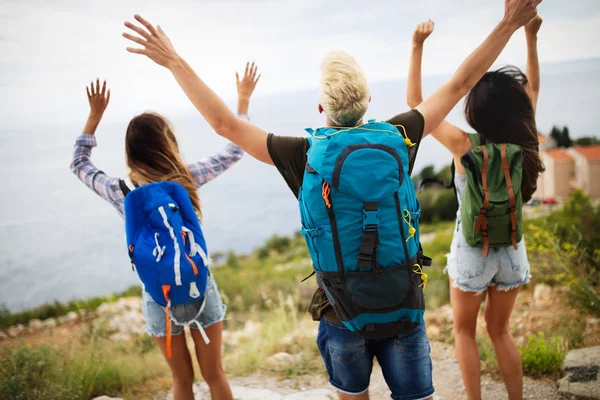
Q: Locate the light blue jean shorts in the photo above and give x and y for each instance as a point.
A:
(156, 317)
(504, 267)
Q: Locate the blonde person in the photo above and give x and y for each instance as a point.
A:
(152, 155)
(501, 107)
(344, 98)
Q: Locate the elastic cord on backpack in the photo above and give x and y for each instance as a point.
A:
(407, 217)
(342, 129)
(419, 270)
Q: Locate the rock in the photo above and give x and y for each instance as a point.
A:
(542, 295)
(582, 367)
(131, 322)
(3, 335)
(15, 331)
(49, 323)
(104, 309)
(69, 318)
(35, 325)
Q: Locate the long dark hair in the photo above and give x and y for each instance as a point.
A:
(499, 108)
(153, 155)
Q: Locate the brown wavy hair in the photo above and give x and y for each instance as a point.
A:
(500, 109)
(153, 155)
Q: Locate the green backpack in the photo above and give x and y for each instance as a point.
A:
(491, 206)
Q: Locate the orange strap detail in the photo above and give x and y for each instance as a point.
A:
(166, 289)
(482, 222)
(511, 195)
(325, 193)
(188, 257)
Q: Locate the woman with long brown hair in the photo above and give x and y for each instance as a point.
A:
(152, 154)
(501, 109)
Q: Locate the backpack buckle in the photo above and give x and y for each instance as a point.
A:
(370, 220)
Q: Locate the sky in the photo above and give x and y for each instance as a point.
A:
(52, 49)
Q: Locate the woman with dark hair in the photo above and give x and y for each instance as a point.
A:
(500, 108)
(153, 155)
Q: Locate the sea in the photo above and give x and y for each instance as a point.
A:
(59, 241)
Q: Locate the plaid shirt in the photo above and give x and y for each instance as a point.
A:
(108, 187)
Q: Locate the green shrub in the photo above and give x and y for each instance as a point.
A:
(233, 260)
(543, 356)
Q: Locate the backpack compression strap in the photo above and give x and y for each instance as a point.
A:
(370, 240)
(482, 222)
(511, 195)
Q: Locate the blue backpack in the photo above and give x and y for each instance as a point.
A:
(360, 219)
(167, 248)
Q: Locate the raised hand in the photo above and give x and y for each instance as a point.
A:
(245, 87)
(533, 26)
(422, 32)
(156, 44)
(98, 97)
(519, 12)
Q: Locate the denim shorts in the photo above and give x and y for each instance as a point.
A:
(404, 360)
(156, 317)
(504, 267)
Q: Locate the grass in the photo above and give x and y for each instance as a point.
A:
(541, 356)
(437, 291)
(89, 366)
(436, 226)
(283, 329)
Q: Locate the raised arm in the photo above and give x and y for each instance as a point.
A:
(437, 106)
(210, 167)
(414, 92)
(450, 136)
(533, 64)
(158, 47)
(81, 164)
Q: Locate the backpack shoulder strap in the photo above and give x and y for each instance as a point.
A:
(126, 186)
(511, 195)
(482, 222)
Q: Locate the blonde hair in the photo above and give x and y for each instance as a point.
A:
(153, 155)
(343, 90)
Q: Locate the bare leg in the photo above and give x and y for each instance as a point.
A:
(498, 307)
(465, 307)
(180, 364)
(209, 358)
(345, 396)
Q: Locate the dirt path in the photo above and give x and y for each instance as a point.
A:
(446, 379)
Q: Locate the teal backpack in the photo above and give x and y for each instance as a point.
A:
(360, 219)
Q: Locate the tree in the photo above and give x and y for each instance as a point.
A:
(587, 141)
(566, 138)
(561, 136)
